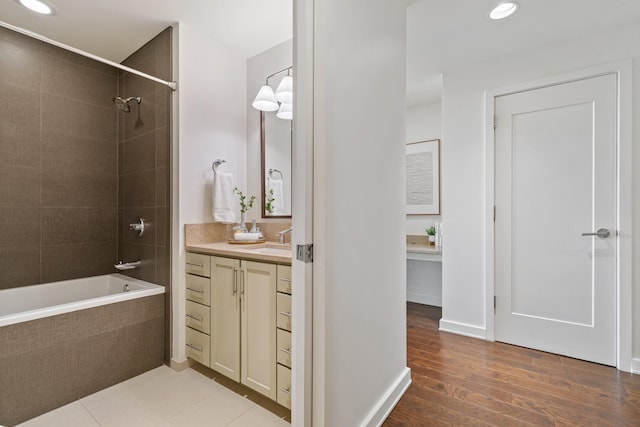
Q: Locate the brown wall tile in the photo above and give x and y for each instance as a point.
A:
(19, 266)
(78, 118)
(139, 189)
(71, 261)
(146, 253)
(140, 153)
(19, 186)
(76, 225)
(19, 59)
(64, 189)
(68, 153)
(19, 226)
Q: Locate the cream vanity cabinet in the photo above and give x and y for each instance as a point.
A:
(243, 333)
(198, 307)
(283, 331)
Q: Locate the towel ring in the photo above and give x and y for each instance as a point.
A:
(216, 163)
(271, 171)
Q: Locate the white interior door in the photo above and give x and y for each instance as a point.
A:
(555, 179)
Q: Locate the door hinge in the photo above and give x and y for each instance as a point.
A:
(304, 253)
(494, 122)
(494, 213)
(494, 304)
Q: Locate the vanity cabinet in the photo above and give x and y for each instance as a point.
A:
(242, 334)
(283, 324)
(198, 308)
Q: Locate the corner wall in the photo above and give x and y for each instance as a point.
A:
(464, 157)
(359, 222)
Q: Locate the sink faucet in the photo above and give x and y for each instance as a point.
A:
(283, 232)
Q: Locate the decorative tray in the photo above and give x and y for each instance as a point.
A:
(246, 242)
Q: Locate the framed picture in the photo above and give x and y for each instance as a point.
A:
(423, 177)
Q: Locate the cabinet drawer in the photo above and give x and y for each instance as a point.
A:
(198, 264)
(284, 279)
(197, 346)
(198, 289)
(283, 303)
(284, 386)
(284, 348)
(197, 317)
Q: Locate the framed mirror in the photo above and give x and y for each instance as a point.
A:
(275, 136)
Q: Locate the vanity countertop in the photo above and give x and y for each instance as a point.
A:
(268, 251)
(423, 248)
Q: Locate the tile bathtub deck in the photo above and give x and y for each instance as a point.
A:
(161, 398)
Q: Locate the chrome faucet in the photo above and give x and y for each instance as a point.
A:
(283, 232)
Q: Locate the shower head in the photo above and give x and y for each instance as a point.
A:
(123, 104)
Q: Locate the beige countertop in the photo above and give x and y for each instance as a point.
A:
(423, 248)
(268, 251)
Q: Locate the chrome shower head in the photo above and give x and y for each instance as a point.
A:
(123, 104)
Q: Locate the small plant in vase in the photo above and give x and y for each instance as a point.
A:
(245, 205)
(431, 234)
(268, 204)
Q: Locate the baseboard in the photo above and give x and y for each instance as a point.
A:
(635, 365)
(424, 299)
(463, 329)
(389, 400)
(180, 366)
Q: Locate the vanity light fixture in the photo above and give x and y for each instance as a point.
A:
(285, 112)
(265, 100)
(284, 92)
(503, 10)
(38, 6)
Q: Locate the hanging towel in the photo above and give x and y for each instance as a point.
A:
(277, 186)
(223, 209)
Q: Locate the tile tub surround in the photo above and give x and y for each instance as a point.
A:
(47, 363)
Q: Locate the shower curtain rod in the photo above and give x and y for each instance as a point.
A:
(171, 85)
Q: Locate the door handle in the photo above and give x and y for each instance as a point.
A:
(602, 233)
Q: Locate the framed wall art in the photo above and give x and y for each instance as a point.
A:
(423, 177)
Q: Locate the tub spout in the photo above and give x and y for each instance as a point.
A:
(126, 265)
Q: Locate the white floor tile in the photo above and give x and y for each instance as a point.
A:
(71, 415)
(258, 416)
(216, 410)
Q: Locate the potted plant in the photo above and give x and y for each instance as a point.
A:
(268, 205)
(245, 205)
(431, 233)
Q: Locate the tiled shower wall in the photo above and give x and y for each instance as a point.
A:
(144, 149)
(58, 164)
(74, 171)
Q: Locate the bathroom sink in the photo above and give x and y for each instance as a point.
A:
(271, 249)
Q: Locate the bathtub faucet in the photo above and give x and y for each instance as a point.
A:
(126, 265)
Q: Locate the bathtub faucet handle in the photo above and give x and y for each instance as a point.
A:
(138, 226)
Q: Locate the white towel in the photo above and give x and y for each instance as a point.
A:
(223, 209)
(277, 186)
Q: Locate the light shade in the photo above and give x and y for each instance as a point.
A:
(285, 112)
(265, 100)
(503, 10)
(38, 6)
(284, 92)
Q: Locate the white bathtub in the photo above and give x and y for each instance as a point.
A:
(49, 299)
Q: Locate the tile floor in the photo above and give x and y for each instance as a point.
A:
(161, 398)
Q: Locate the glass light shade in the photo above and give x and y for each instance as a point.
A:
(503, 10)
(284, 92)
(37, 6)
(265, 100)
(285, 112)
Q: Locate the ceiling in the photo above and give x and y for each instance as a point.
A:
(441, 34)
(114, 29)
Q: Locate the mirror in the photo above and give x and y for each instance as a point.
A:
(275, 136)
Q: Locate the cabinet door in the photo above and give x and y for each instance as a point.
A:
(258, 295)
(225, 317)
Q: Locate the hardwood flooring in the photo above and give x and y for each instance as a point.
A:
(460, 381)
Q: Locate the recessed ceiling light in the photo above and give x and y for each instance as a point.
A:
(38, 6)
(503, 10)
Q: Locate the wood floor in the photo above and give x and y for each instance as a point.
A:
(459, 381)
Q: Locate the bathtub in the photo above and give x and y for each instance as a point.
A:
(65, 340)
(37, 301)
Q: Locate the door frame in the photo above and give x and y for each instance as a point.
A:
(624, 302)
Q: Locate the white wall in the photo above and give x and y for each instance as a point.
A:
(463, 156)
(424, 122)
(259, 67)
(212, 124)
(359, 221)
